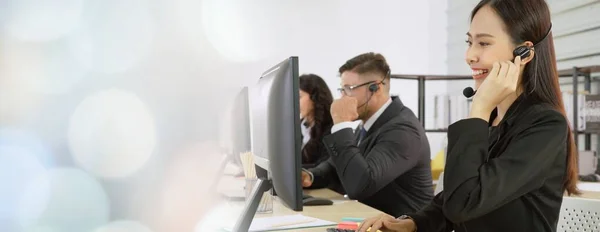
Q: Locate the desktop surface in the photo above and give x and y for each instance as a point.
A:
(341, 207)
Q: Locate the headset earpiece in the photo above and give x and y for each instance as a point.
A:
(373, 88)
(522, 51)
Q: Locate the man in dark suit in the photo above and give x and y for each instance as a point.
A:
(384, 162)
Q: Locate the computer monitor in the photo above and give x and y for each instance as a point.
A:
(240, 126)
(276, 138)
(234, 134)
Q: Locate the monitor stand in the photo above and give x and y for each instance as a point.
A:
(243, 223)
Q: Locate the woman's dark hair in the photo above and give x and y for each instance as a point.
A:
(321, 97)
(530, 21)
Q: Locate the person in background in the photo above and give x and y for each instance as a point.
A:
(315, 101)
(510, 163)
(386, 162)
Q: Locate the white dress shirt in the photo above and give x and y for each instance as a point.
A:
(305, 133)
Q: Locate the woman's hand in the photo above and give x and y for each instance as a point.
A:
(387, 223)
(502, 81)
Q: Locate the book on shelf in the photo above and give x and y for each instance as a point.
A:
(592, 113)
(448, 109)
(568, 99)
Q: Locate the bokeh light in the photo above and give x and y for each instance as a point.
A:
(28, 142)
(18, 97)
(46, 68)
(41, 229)
(187, 194)
(39, 20)
(124, 226)
(241, 31)
(77, 202)
(112, 134)
(25, 187)
(221, 216)
(114, 35)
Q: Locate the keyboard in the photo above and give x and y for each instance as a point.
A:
(339, 230)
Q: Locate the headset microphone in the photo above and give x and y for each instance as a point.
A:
(469, 92)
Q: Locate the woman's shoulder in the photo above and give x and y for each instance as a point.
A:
(538, 112)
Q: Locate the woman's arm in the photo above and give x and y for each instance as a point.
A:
(431, 218)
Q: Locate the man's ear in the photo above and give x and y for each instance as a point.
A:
(526, 60)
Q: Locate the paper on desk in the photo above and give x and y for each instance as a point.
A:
(592, 187)
(285, 223)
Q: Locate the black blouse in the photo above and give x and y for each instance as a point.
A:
(502, 178)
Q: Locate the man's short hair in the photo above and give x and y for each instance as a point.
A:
(367, 63)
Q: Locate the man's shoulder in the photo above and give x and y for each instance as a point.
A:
(400, 119)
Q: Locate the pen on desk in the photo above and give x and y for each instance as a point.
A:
(352, 219)
(292, 223)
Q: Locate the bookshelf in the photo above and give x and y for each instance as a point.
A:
(575, 73)
(421, 92)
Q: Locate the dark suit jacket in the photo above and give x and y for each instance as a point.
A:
(502, 178)
(389, 171)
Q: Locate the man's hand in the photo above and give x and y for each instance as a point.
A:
(306, 181)
(387, 223)
(344, 110)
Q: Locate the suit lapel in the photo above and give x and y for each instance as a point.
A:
(392, 111)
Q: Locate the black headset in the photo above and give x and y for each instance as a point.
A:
(525, 51)
(522, 51)
(375, 86)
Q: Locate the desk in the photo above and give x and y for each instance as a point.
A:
(589, 190)
(341, 208)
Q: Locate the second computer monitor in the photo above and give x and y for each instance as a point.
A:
(276, 136)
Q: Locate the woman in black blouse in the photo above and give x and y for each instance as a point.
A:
(315, 101)
(509, 164)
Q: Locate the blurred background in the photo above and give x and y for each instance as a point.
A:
(113, 112)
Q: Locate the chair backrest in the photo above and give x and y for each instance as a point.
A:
(579, 214)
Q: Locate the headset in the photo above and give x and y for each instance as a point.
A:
(525, 51)
(375, 86)
(522, 51)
